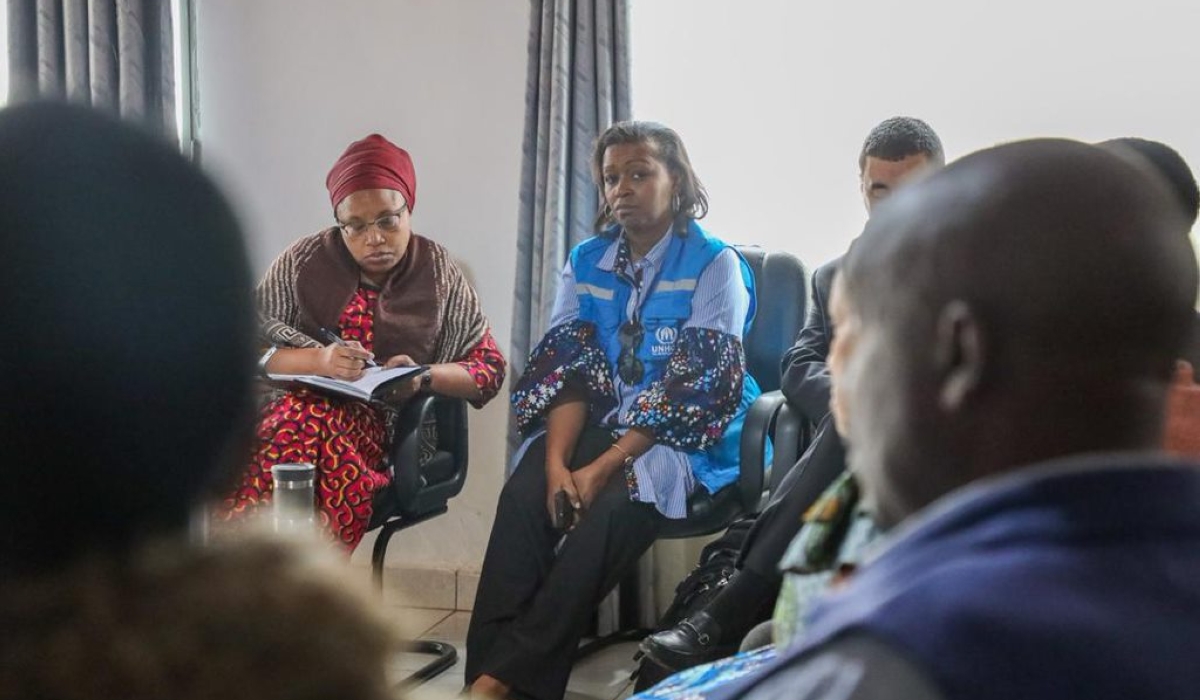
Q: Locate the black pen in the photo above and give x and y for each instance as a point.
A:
(335, 338)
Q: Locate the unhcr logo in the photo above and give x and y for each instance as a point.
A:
(664, 341)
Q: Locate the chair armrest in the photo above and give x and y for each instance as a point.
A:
(410, 482)
(756, 435)
(793, 433)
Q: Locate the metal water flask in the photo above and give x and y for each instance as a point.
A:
(295, 499)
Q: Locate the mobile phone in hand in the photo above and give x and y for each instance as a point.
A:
(564, 512)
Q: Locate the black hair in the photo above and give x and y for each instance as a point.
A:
(693, 199)
(899, 137)
(130, 351)
(1170, 165)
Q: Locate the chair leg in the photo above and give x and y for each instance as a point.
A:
(445, 657)
(379, 553)
(389, 528)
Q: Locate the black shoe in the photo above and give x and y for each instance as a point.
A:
(694, 641)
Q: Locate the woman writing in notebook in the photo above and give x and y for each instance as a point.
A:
(633, 400)
(391, 297)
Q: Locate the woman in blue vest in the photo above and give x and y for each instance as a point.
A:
(633, 400)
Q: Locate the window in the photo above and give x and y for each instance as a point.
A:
(182, 15)
(773, 98)
(181, 42)
(3, 52)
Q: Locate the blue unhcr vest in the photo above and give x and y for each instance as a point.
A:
(604, 297)
(1081, 584)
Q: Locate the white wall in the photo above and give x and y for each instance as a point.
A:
(773, 97)
(285, 85)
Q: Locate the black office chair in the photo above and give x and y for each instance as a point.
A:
(789, 431)
(780, 281)
(782, 292)
(429, 461)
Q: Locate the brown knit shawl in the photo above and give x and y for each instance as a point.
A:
(426, 310)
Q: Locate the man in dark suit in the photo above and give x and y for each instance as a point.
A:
(896, 151)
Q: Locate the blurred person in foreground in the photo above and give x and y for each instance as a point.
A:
(1001, 370)
(126, 299)
(838, 532)
(897, 151)
(1183, 404)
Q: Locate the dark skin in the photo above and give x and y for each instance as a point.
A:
(976, 308)
(380, 227)
(880, 178)
(638, 187)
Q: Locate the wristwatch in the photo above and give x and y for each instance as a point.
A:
(427, 380)
(266, 357)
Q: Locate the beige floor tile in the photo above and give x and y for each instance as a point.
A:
(444, 687)
(626, 692)
(453, 629)
(420, 588)
(416, 622)
(404, 664)
(602, 676)
(468, 583)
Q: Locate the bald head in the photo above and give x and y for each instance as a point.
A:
(1165, 162)
(1025, 303)
(1063, 244)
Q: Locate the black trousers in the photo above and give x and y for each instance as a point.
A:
(533, 606)
(777, 525)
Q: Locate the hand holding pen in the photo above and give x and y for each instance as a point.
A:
(358, 354)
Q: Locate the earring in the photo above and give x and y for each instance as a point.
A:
(608, 211)
(676, 203)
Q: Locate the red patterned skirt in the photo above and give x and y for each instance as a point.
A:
(343, 438)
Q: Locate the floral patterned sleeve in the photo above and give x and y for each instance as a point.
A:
(486, 366)
(698, 395)
(568, 355)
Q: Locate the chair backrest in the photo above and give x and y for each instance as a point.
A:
(428, 475)
(426, 472)
(782, 303)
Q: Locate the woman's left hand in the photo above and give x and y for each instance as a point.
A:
(589, 481)
(399, 361)
(404, 390)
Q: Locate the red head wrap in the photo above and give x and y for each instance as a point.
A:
(370, 164)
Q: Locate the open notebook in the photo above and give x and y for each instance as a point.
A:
(372, 386)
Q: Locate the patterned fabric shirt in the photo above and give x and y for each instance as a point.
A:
(720, 303)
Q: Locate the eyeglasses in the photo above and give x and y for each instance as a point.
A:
(629, 368)
(388, 223)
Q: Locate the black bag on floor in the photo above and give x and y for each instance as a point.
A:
(717, 564)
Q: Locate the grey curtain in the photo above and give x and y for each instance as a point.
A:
(577, 85)
(116, 55)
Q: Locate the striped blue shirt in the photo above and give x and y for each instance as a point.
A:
(720, 302)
